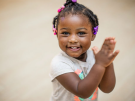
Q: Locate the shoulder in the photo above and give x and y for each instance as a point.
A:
(90, 54)
(60, 64)
(91, 57)
(61, 58)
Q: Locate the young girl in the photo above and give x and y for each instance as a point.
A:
(78, 72)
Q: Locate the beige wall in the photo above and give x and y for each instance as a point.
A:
(27, 45)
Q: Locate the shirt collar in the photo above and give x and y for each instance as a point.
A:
(74, 59)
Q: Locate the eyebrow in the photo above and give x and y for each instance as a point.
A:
(81, 28)
(65, 28)
(70, 29)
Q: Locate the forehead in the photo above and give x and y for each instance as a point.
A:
(74, 20)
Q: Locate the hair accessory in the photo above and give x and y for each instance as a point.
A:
(54, 30)
(59, 10)
(74, 1)
(95, 30)
(63, 7)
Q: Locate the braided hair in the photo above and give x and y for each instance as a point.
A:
(76, 8)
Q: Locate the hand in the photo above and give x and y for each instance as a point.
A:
(106, 55)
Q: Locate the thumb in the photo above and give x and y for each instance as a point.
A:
(112, 57)
(95, 50)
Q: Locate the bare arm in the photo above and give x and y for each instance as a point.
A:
(107, 83)
(84, 88)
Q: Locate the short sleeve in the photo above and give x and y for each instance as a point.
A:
(59, 68)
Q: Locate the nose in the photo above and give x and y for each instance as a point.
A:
(73, 39)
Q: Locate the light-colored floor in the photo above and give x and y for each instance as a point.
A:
(27, 45)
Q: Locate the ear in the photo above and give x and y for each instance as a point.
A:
(93, 37)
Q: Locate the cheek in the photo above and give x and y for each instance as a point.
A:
(86, 42)
(62, 42)
(85, 39)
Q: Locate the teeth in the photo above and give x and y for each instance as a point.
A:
(74, 47)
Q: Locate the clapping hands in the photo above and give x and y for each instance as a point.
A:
(106, 54)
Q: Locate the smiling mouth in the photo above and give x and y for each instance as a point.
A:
(74, 48)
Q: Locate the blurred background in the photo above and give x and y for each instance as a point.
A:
(27, 45)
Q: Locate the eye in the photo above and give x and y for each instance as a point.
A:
(65, 33)
(81, 33)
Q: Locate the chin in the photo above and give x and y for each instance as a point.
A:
(74, 55)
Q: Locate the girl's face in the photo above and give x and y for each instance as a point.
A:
(75, 35)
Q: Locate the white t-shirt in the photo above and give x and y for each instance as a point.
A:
(62, 63)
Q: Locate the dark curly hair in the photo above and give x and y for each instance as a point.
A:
(76, 8)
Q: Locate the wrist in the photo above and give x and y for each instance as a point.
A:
(99, 68)
(99, 64)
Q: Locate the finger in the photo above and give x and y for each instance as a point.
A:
(111, 46)
(105, 45)
(112, 57)
(95, 50)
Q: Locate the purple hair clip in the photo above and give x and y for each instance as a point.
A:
(95, 30)
(74, 1)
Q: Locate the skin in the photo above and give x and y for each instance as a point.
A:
(76, 31)
(108, 81)
(78, 34)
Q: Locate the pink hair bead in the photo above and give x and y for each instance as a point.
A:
(63, 7)
(59, 10)
(74, 0)
(54, 29)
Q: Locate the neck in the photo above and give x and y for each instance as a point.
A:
(82, 57)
